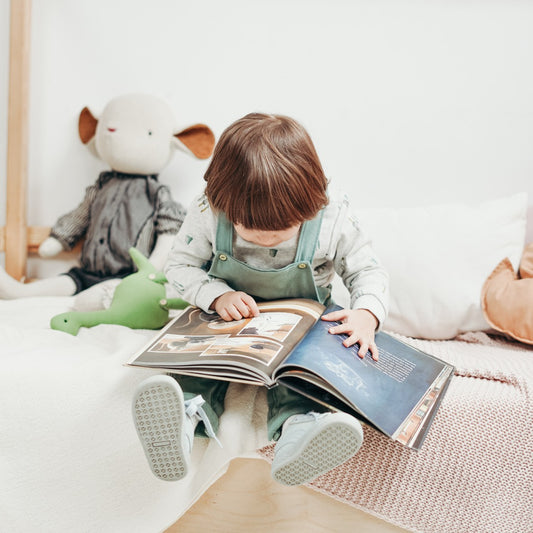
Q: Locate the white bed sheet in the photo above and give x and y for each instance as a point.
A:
(70, 459)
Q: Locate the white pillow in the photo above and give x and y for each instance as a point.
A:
(438, 259)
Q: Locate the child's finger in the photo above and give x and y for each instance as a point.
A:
(363, 348)
(335, 315)
(243, 309)
(224, 315)
(350, 341)
(234, 312)
(251, 304)
(374, 351)
(341, 328)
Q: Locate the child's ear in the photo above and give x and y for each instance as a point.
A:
(197, 139)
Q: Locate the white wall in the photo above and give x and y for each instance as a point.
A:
(409, 102)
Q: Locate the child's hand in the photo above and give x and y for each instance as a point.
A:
(234, 305)
(360, 325)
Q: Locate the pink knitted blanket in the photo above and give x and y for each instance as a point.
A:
(474, 472)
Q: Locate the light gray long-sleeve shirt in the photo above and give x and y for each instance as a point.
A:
(342, 248)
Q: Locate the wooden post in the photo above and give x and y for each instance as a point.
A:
(17, 144)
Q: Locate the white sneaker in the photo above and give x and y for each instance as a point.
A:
(312, 444)
(164, 429)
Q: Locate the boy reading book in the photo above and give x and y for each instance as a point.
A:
(266, 228)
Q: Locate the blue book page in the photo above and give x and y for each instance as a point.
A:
(385, 391)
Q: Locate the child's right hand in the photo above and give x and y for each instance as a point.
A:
(235, 305)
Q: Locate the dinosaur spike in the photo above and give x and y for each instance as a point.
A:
(173, 303)
(141, 261)
(158, 277)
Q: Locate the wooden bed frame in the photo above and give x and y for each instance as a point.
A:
(244, 499)
(14, 236)
(17, 239)
(247, 499)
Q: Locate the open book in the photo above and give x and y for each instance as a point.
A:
(288, 344)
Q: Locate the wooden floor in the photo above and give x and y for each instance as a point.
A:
(247, 499)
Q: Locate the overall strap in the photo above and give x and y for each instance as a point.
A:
(224, 238)
(308, 240)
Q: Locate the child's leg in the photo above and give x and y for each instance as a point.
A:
(311, 444)
(213, 391)
(284, 403)
(11, 289)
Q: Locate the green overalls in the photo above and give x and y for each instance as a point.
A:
(292, 281)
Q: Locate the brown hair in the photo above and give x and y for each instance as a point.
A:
(265, 174)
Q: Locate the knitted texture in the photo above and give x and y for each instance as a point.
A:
(474, 472)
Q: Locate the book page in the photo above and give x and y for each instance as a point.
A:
(386, 392)
(198, 340)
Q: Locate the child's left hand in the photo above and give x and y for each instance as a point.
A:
(360, 325)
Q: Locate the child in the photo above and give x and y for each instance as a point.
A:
(266, 228)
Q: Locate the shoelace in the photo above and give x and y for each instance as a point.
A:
(194, 409)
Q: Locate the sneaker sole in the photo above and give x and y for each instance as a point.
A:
(158, 414)
(334, 444)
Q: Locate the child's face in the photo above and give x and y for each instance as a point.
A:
(268, 239)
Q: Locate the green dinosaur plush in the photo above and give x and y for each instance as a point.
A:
(139, 302)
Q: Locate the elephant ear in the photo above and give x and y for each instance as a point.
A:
(87, 124)
(198, 140)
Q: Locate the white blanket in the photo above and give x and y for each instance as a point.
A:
(70, 459)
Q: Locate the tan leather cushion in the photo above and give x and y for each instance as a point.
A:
(507, 300)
